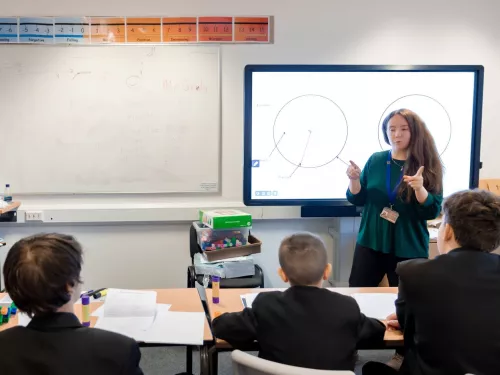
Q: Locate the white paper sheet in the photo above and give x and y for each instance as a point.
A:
(185, 328)
(130, 303)
(166, 328)
(376, 305)
(160, 308)
(132, 327)
(6, 300)
(250, 297)
(23, 319)
(247, 299)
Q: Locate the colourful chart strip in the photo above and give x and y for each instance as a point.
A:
(179, 30)
(251, 29)
(143, 30)
(72, 30)
(8, 30)
(215, 29)
(107, 30)
(36, 30)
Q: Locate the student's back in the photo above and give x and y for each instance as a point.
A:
(59, 345)
(42, 276)
(304, 326)
(453, 323)
(449, 307)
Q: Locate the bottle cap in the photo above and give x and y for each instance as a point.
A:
(7, 185)
(215, 279)
(86, 299)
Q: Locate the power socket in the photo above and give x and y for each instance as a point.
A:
(33, 216)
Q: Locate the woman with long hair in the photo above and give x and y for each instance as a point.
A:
(400, 189)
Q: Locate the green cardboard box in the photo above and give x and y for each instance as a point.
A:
(225, 219)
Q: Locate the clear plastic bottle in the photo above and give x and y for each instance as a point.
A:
(7, 196)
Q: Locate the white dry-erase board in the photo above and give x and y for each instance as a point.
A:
(110, 119)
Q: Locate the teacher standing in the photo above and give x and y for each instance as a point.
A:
(400, 190)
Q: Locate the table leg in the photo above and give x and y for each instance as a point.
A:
(214, 361)
(204, 360)
(189, 359)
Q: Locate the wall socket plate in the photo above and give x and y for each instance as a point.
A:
(33, 216)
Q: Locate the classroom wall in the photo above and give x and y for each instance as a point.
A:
(316, 31)
(157, 255)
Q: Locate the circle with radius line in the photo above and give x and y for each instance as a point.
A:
(431, 111)
(310, 131)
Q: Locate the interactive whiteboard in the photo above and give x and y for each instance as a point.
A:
(110, 119)
(304, 123)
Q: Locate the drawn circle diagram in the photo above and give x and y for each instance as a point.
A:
(431, 111)
(310, 131)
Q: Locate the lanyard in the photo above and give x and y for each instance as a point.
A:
(391, 193)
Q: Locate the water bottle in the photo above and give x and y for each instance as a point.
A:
(7, 196)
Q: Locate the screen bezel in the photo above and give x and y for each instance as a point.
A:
(478, 71)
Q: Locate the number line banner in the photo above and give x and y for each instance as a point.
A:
(72, 30)
(135, 30)
(39, 30)
(9, 30)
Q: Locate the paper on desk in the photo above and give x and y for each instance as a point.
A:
(129, 326)
(129, 312)
(6, 300)
(23, 319)
(160, 308)
(122, 303)
(184, 328)
(247, 299)
(376, 305)
(168, 327)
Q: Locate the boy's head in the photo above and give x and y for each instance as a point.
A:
(42, 273)
(471, 220)
(303, 260)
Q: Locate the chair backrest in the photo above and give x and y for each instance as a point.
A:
(193, 243)
(247, 364)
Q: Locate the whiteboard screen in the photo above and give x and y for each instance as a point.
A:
(303, 127)
(110, 119)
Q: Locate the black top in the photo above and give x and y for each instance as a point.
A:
(302, 326)
(449, 308)
(57, 344)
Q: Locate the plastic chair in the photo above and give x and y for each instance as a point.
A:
(247, 364)
(255, 281)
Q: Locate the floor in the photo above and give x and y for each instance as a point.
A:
(171, 360)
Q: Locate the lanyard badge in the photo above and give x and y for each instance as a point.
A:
(388, 213)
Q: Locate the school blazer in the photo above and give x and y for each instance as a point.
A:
(57, 344)
(302, 326)
(449, 308)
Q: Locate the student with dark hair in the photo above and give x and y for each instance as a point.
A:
(42, 276)
(449, 307)
(400, 190)
(304, 326)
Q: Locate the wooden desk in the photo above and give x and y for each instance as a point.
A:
(185, 300)
(230, 301)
